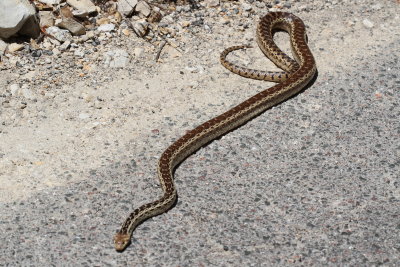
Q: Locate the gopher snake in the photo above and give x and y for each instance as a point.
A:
(297, 74)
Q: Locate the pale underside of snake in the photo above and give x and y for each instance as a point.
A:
(295, 76)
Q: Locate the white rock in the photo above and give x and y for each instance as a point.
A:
(90, 34)
(138, 51)
(79, 53)
(106, 27)
(83, 116)
(18, 16)
(301, 8)
(83, 5)
(14, 88)
(143, 8)
(80, 13)
(56, 51)
(126, 7)
(172, 52)
(28, 76)
(246, 7)
(59, 34)
(72, 25)
(97, 104)
(50, 2)
(168, 19)
(196, 69)
(377, 6)
(140, 27)
(15, 47)
(50, 95)
(46, 18)
(13, 59)
(117, 58)
(212, 3)
(54, 41)
(28, 94)
(194, 84)
(3, 47)
(47, 45)
(367, 23)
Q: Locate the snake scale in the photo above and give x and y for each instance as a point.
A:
(296, 75)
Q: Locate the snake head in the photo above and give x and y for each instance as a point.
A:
(121, 241)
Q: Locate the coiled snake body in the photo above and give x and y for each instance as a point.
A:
(297, 74)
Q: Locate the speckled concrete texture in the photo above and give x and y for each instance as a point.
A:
(311, 182)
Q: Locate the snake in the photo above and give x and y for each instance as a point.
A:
(296, 75)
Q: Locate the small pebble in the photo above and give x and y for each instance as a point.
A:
(106, 27)
(367, 23)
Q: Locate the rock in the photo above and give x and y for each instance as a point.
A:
(117, 58)
(28, 94)
(97, 104)
(367, 23)
(155, 16)
(126, 32)
(83, 116)
(102, 21)
(59, 34)
(246, 7)
(46, 18)
(196, 69)
(14, 89)
(65, 12)
(71, 25)
(168, 19)
(143, 8)
(46, 44)
(15, 47)
(50, 2)
(83, 5)
(138, 51)
(3, 47)
(172, 52)
(18, 16)
(185, 23)
(211, 3)
(80, 13)
(36, 53)
(140, 27)
(79, 53)
(54, 41)
(56, 51)
(126, 7)
(106, 27)
(117, 17)
(90, 34)
(377, 6)
(301, 8)
(34, 44)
